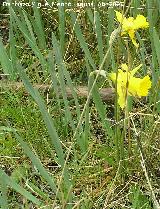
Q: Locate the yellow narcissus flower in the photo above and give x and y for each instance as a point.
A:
(130, 25)
(127, 84)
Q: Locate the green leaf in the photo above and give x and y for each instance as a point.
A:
(61, 14)
(36, 162)
(39, 27)
(82, 41)
(48, 121)
(98, 34)
(26, 29)
(156, 41)
(3, 194)
(8, 181)
(5, 61)
(46, 116)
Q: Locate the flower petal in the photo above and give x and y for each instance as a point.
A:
(140, 22)
(130, 85)
(124, 67)
(135, 69)
(119, 16)
(130, 25)
(134, 85)
(131, 34)
(112, 76)
(121, 98)
(144, 87)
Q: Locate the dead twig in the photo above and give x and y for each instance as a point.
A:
(107, 94)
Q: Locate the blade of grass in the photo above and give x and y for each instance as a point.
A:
(52, 71)
(48, 121)
(47, 118)
(110, 25)
(64, 75)
(156, 52)
(100, 108)
(13, 51)
(90, 15)
(156, 42)
(98, 31)
(96, 22)
(8, 181)
(36, 162)
(55, 82)
(135, 4)
(97, 99)
(62, 81)
(37, 191)
(62, 32)
(21, 24)
(39, 27)
(150, 15)
(143, 54)
(6, 62)
(82, 41)
(29, 26)
(3, 194)
(3, 204)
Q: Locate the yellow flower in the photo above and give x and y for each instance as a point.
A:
(127, 84)
(130, 25)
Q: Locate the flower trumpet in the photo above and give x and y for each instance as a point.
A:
(128, 84)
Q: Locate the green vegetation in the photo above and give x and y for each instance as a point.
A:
(61, 150)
